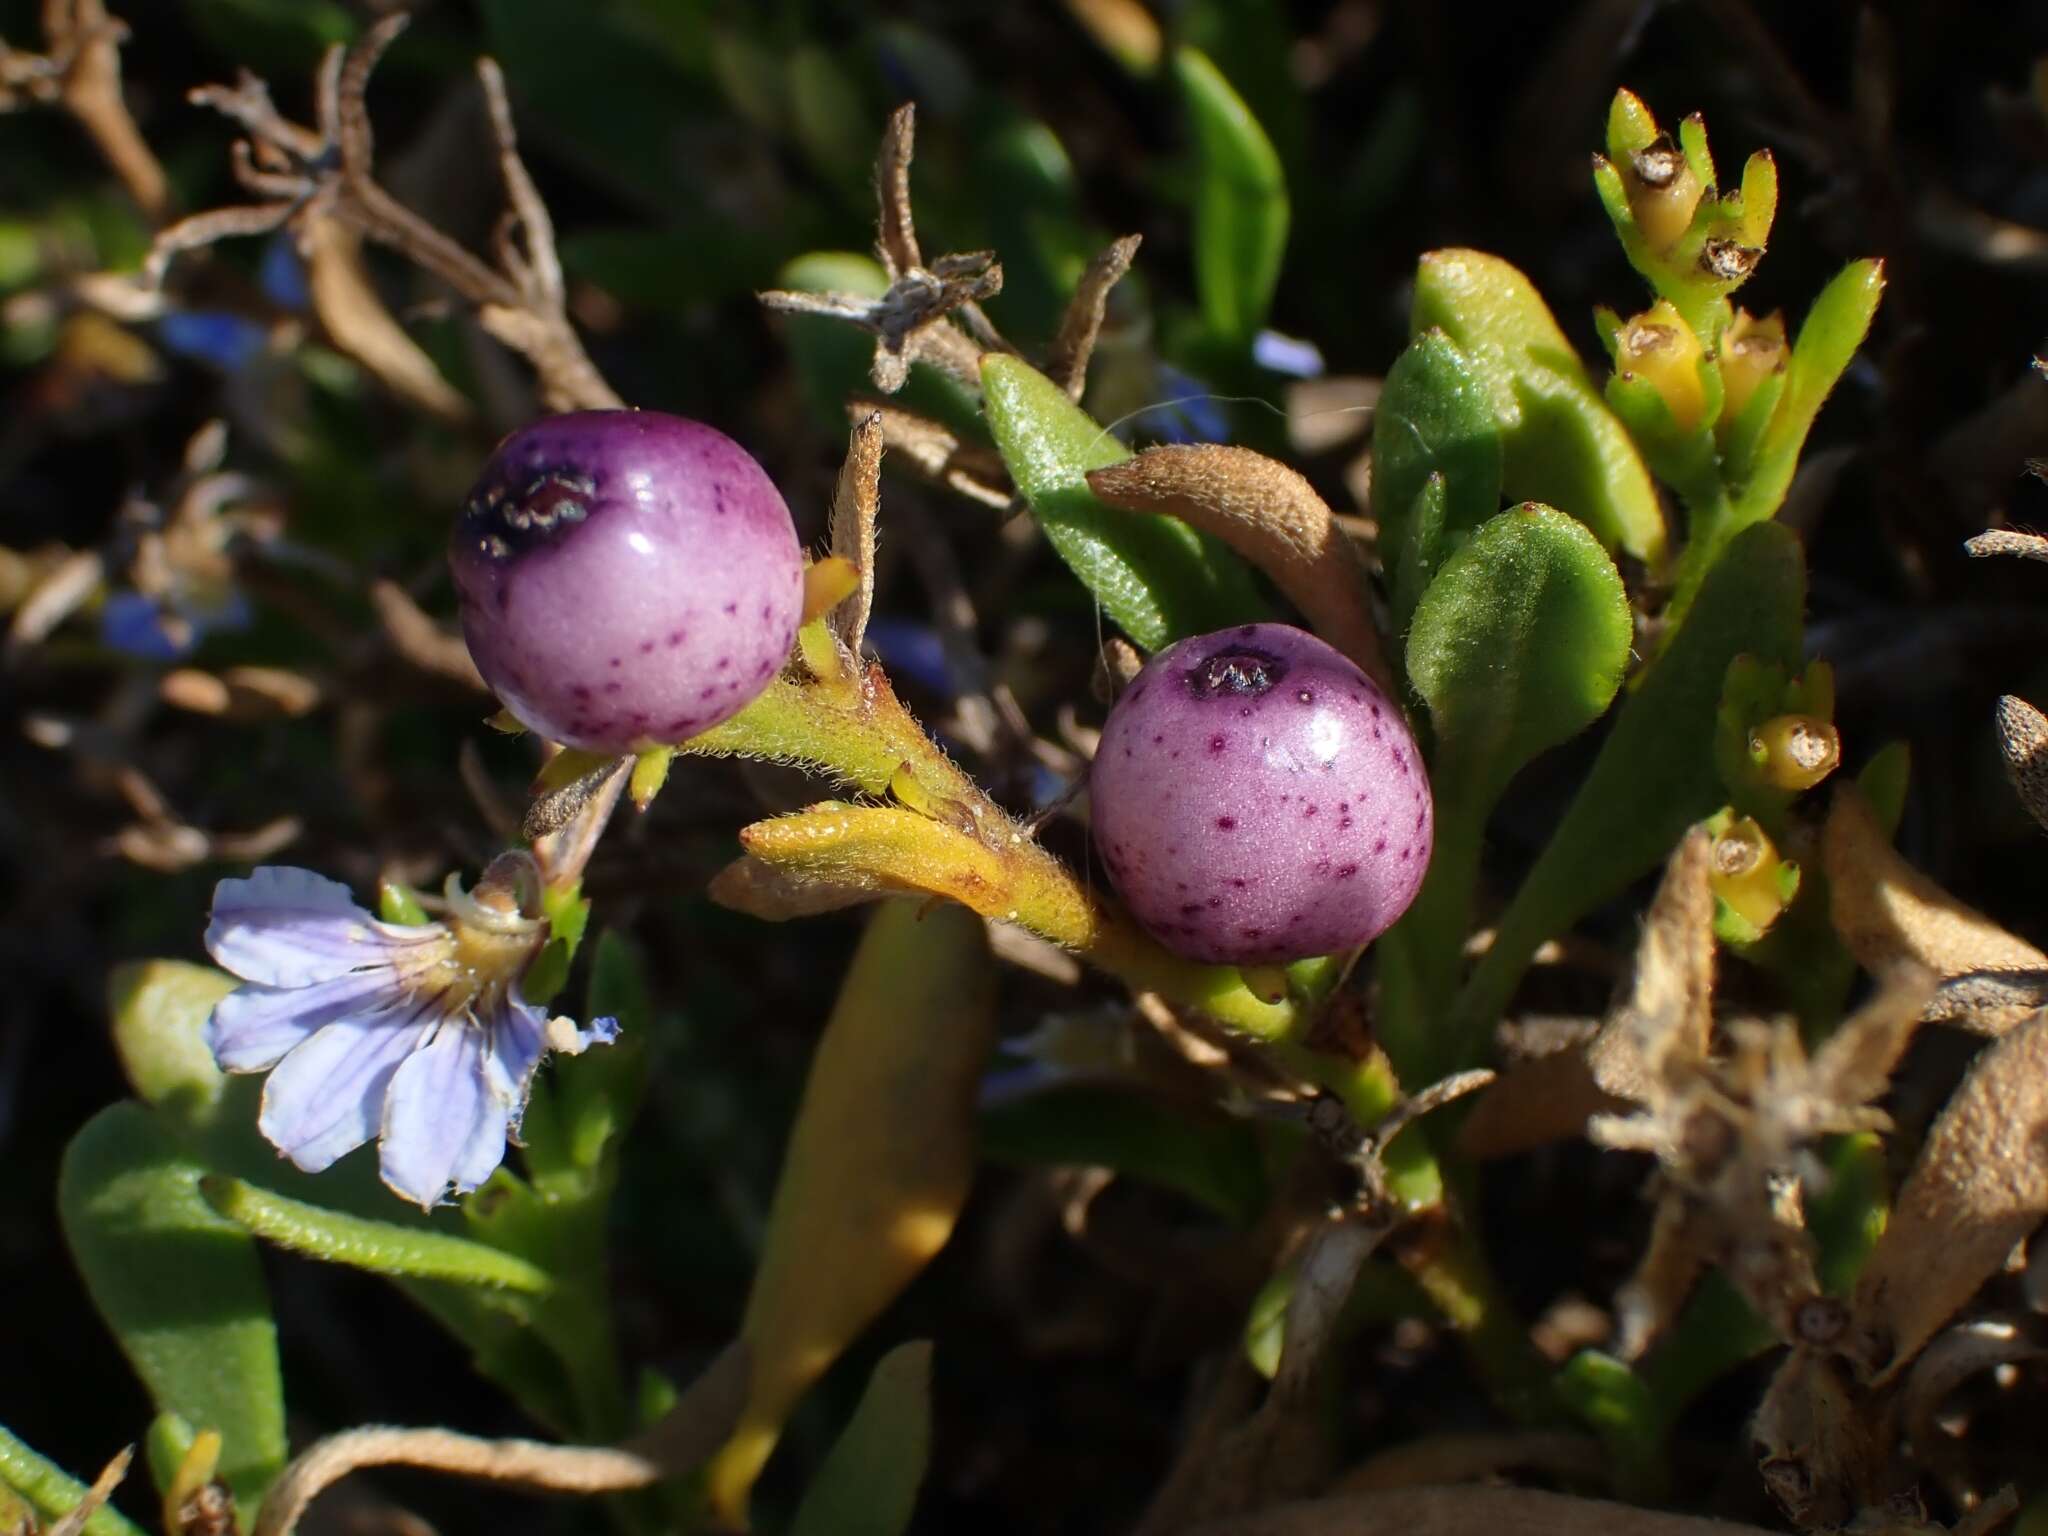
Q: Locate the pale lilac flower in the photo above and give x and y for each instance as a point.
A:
(413, 1034)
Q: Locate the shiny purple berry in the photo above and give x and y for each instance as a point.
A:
(626, 578)
(1258, 799)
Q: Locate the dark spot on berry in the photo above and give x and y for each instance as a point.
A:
(1189, 909)
(1346, 871)
(1305, 697)
(723, 663)
(1214, 902)
(1236, 670)
(1406, 854)
(581, 690)
(1158, 737)
(613, 686)
(731, 608)
(1251, 932)
(705, 693)
(1308, 812)
(1379, 845)
(675, 638)
(1226, 823)
(646, 647)
(615, 661)
(1239, 883)
(1218, 742)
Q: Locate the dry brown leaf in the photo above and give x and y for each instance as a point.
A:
(1669, 1012)
(1826, 1448)
(777, 895)
(1067, 363)
(1667, 1016)
(1268, 514)
(856, 500)
(1979, 1187)
(358, 324)
(934, 452)
(1539, 1102)
(2023, 737)
(1463, 1511)
(1886, 911)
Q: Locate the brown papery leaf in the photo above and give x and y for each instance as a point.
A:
(1979, 1187)
(776, 895)
(1827, 1448)
(1886, 911)
(357, 322)
(1268, 514)
(1669, 1012)
(1067, 363)
(2023, 737)
(1462, 1511)
(856, 501)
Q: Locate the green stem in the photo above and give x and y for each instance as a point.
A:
(1454, 1275)
(1421, 955)
(52, 1491)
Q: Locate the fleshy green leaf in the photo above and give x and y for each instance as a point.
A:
(1656, 772)
(1435, 417)
(1518, 644)
(1827, 341)
(180, 1287)
(53, 1492)
(160, 1009)
(1156, 577)
(1616, 1402)
(1562, 446)
(868, 1483)
(381, 1247)
(1241, 207)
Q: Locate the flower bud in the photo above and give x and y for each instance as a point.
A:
(1795, 752)
(1663, 192)
(1659, 347)
(1748, 877)
(1752, 350)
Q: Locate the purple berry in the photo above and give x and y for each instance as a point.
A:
(626, 578)
(1258, 799)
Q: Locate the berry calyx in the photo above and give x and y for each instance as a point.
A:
(1258, 799)
(627, 579)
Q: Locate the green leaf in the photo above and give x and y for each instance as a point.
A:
(1561, 444)
(1211, 1159)
(868, 1483)
(1435, 417)
(1827, 341)
(52, 1491)
(1656, 772)
(1616, 1402)
(828, 117)
(381, 1247)
(1518, 644)
(1241, 209)
(181, 1288)
(1156, 577)
(1026, 184)
(159, 1009)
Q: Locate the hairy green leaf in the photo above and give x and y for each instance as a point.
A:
(1156, 577)
(180, 1287)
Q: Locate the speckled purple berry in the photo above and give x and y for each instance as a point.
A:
(626, 578)
(1258, 799)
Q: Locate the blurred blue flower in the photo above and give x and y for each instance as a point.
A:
(227, 341)
(415, 1035)
(1187, 412)
(283, 274)
(1290, 355)
(913, 650)
(139, 625)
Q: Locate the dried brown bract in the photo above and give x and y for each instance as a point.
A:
(1067, 363)
(80, 70)
(938, 455)
(319, 183)
(1269, 514)
(912, 321)
(1887, 912)
(2023, 738)
(1978, 1188)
